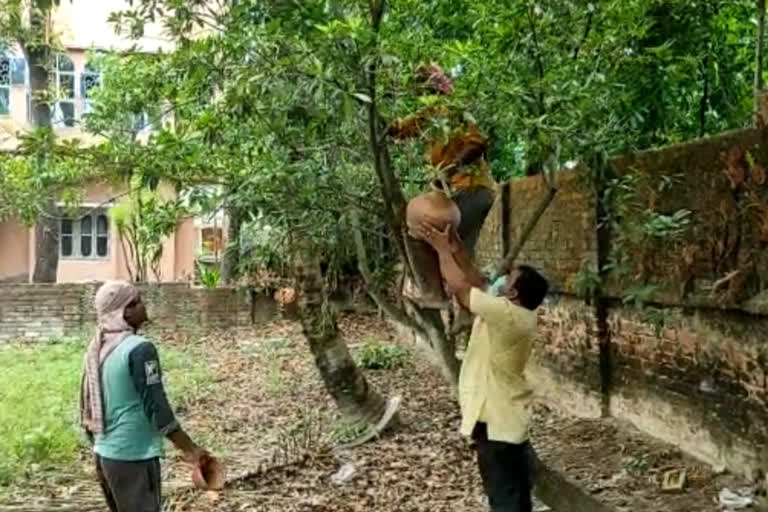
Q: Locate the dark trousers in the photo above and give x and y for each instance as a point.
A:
(506, 470)
(474, 205)
(130, 486)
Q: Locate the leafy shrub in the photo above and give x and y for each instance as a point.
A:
(374, 355)
(209, 276)
(344, 432)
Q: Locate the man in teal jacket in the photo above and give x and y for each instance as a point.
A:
(123, 405)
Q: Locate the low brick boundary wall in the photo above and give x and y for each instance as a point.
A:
(39, 311)
(692, 368)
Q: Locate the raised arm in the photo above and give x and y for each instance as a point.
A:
(456, 267)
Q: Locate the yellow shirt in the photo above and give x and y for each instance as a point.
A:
(492, 387)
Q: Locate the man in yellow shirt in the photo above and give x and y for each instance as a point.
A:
(494, 396)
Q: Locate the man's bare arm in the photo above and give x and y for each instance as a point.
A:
(461, 255)
(456, 280)
(183, 443)
(455, 265)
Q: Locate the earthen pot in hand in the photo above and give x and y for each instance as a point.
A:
(209, 474)
(433, 206)
(437, 209)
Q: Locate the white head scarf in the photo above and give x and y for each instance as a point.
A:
(111, 300)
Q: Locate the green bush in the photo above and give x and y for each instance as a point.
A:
(374, 355)
(209, 276)
(343, 432)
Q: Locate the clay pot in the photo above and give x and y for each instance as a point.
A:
(209, 474)
(438, 210)
(433, 206)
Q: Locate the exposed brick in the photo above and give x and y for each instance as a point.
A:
(711, 362)
(36, 311)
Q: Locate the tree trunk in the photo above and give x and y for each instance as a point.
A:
(231, 259)
(356, 400)
(506, 263)
(47, 245)
(442, 341)
(47, 230)
(759, 57)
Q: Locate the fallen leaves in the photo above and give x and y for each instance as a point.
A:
(274, 441)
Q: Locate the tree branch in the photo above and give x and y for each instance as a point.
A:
(759, 58)
(377, 13)
(587, 29)
(389, 308)
(382, 162)
(704, 103)
(514, 251)
(539, 63)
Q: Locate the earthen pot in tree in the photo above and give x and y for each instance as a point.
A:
(437, 209)
(433, 206)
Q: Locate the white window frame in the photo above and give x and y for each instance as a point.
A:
(88, 72)
(76, 236)
(216, 221)
(58, 113)
(5, 60)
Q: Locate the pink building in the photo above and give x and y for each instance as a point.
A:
(89, 246)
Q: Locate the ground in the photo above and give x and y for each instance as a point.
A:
(254, 398)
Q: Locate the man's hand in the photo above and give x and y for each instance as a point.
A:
(441, 241)
(191, 452)
(197, 455)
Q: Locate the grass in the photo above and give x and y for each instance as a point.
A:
(39, 401)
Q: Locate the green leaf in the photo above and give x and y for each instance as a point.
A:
(362, 97)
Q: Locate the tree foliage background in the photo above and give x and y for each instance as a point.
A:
(269, 99)
(281, 105)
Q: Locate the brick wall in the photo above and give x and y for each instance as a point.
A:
(722, 181)
(699, 381)
(565, 239)
(39, 311)
(33, 311)
(692, 369)
(489, 243)
(568, 345)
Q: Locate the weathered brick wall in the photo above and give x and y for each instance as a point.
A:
(565, 239)
(693, 369)
(39, 311)
(722, 182)
(699, 380)
(33, 311)
(567, 343)
(489, 244)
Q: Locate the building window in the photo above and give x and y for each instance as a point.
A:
(13, 72)
(211, 243)
(64, 111)
(5, 85)
(18, 71)
(90, 80)
(86, 237)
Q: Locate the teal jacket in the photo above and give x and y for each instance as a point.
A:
(137, 415)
